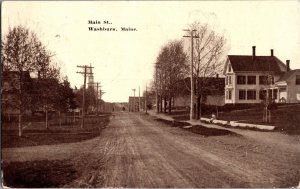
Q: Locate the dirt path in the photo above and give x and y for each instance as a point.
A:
(137, 151)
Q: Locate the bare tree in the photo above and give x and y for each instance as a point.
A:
(170, 65)
(209, 51)
(17, 55)
(48, 76)
(22, 52)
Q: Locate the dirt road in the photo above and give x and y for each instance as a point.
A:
(137, 151)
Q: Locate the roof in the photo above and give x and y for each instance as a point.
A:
(288, 75)
(261, 63)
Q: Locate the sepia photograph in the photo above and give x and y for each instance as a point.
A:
(150, 94)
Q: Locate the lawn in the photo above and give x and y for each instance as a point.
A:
(286, 118)
(36, 133)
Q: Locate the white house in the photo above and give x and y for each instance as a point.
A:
(247, 79)
(289, 87)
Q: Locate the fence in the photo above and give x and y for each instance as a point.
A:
(11, 121)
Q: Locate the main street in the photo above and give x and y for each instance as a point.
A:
(137, 151)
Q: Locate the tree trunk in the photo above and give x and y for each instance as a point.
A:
(74, 117)
(46, 118)
(20, 104)
(198, 108)
(59, 119)
(170, 104)
(160, 106)
(165, 105)
(20, 124)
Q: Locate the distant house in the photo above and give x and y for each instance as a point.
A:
(288, 87)
(10, 91)
(247, 79)
(212, 90)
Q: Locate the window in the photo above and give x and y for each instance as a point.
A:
(262, 94)
(263, 80)
(228, 80)
(251, 95)
(228, 94)
(251, 80)
(241, 79)
(242, 94)
(297, 79)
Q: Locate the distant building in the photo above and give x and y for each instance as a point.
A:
(136, 104)
(288, 87)
(212, 90)
(247, 79)
(10, 91)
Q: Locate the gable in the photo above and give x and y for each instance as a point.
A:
(288, 76)
(226, 67)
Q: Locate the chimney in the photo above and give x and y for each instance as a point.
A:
(253, 53)
(287, 65)
(217, 76)
(272, 52)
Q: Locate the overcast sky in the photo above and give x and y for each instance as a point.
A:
(124, 60)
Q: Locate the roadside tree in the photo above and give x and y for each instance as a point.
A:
(170, 66)
(18, 55)
(209, 53)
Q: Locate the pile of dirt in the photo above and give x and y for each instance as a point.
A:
(198, 129)
(205, 131)
(173, 123)
(38, 174)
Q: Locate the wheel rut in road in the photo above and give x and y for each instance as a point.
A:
(135, 150)
(141, 152)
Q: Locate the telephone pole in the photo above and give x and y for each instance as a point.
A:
(156, 87)
(101, 93)
(192, 36)
(139, 100)
(133, 99)
(146, 99)
(85, 73)
(97, 96)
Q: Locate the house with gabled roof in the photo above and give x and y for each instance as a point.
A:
(289, 87)
(250, 79)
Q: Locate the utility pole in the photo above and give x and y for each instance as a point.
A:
(146, 99)
(97, 94)
(139, 100)
(85, 67)
(192, 36)
(133, 99)
(156, 88)
(101, 93)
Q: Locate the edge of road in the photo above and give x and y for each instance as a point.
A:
(217, 123)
